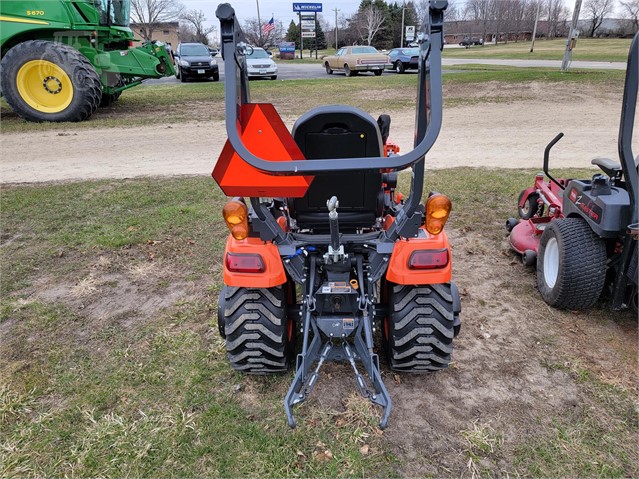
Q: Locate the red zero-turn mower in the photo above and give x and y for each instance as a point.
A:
(582, 234)
(321, 247)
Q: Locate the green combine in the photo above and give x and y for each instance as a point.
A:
(62, 59)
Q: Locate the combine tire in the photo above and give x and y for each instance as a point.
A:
(259, 335)
(571, 267)
(530, 206)
(420, 329)
(109, 99)
(48, 81)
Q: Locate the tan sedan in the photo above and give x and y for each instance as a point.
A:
(356, 59)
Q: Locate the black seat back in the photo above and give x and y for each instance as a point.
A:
(339, 132)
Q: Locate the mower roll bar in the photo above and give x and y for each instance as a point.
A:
(626, 126)
(429, 100)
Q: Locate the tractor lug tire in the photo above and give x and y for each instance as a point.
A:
(422, 322)
(571, 264)
(259, 335)
(56, 60)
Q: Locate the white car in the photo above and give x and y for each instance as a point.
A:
(260, 65)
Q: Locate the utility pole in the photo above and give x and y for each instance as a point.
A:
(335, 10)
(572, 37)
(401, 42)
(532, 46)
(259, 22)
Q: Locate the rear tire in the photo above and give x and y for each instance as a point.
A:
(348, 71)
(420, 328)
(530, 206)
(48, 81)
(399, 67)
(571, 267)
(259, 335)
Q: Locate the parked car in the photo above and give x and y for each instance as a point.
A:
(260, 64)
(467, 41)
(402, 59)
(193, 60)
(355, 59)
(214, 51)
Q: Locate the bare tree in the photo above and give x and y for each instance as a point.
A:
(631, 12)
(194, 20)
(421, 8)
(597, 10)
(150, 13)
(368, 22)
(255, 35)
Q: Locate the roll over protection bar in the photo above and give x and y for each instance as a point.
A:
(428, 107)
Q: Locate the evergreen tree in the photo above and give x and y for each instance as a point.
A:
(320, 40)
(293, 34)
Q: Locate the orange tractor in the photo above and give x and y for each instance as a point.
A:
(322, 252)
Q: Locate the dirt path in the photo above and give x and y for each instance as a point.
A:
(511, 131)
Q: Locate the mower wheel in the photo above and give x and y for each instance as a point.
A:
(529, 258)
(511, 223)
(259, 335)
(571, 267)
(530, 206)
(421, 325)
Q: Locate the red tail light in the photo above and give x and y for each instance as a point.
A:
(244, 263)
(428, 259)
(130, 43)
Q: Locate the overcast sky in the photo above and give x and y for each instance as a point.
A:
(280, 9)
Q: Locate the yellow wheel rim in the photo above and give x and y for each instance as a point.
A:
(44, 86)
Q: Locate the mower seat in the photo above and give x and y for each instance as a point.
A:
(338, 131)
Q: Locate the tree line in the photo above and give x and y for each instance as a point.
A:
(379, 23)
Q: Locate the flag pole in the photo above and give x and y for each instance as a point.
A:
(259, 21)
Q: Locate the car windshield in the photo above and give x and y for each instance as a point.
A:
(194, 51)
(410, 51)
(258, 53)
(361, 50)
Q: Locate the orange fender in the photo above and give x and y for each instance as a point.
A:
(273, 274)
(398, 271)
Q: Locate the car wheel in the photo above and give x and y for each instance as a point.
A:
(378, 73)
(399, 67)
(178, 73)
(329, 70)
(274, 77)
(182, 78)
(216, 76)
(348, 71)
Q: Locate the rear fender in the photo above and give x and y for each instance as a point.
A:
(398, 271)
(273, 274)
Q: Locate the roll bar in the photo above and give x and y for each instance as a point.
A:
(428, 106)
(626, 126)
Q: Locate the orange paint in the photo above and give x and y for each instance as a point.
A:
(273, 274)
(398, 271)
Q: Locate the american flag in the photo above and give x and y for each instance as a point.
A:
(268, 26)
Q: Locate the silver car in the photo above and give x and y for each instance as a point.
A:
(260, 64)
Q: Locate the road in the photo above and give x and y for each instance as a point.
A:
(299, 71)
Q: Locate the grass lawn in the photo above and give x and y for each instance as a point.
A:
(587, 49)
(88, 389)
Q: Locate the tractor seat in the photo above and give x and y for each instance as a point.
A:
(338, 131)
(609, 167)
